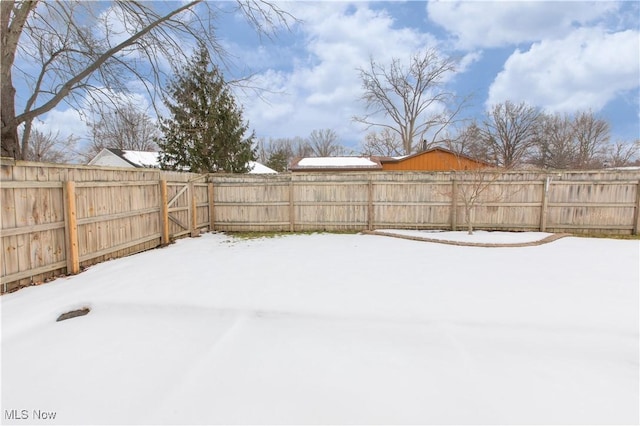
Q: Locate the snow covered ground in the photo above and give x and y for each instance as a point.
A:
(332, 329)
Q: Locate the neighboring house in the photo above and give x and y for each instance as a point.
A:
(335, 164)
(112, 157)
(435, 159)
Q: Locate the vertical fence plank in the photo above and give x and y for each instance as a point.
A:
(544, 203)
(636, 214)
(292, 207)
(370, 210)
(193, 210)
(164, 212)
(212, 214)
(454, 204)
(71, 228)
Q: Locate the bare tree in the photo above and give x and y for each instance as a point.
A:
(413, 97)
(469, 142)
(622, 154)
(475, 187)
(324, 143)
(580, 141)
(592, 139)
(384, 143)
(278, 153)
(47, 147)
(509, 133)
(124, 127)
(555, 146)
(80, 48)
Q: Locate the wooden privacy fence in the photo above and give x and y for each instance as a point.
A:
(598, 202)
(59, 219)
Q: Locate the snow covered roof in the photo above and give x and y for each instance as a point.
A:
(142, 158)
(258, 168)
(335, 163)
(113, 157)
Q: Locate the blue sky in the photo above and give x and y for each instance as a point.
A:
(559, 56)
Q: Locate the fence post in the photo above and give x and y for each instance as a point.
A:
(212, 215)
(292, 207)
(636, 214)
(193, 210)
(71, 228)
(454, 204)
(164, 213)
(544, 203)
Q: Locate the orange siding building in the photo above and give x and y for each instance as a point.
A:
(435, 159)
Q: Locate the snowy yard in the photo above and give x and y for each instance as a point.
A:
(332, 329)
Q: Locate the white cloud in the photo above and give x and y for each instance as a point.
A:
(587, 69)
(66, 123)
(502, 23)
(322, 88)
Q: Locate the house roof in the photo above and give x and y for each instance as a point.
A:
(152, 160)
(335, 164)
(142, 158)
(125, 158)
(256, 168)
(398, 159)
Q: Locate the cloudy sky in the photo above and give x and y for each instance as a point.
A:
(559, 56)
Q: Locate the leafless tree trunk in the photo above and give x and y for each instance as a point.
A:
(60, 37)
(13, 17)
(413, 98)
(475, 187)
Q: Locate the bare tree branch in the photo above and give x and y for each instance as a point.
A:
(323, 143)
(509, 132)
(412, 97)
(84, 48)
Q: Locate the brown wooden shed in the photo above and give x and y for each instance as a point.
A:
(434, 159)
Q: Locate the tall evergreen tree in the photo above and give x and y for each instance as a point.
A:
(205, 132)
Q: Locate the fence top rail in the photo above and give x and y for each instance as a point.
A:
(246, 184)
(597, 182)
(26, 184)
(116, 183)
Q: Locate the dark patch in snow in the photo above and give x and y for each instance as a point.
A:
(73, 314)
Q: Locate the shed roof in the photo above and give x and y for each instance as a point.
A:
(335, 164)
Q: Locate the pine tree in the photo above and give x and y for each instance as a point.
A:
(205, 132)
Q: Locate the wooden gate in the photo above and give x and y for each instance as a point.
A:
(186, 207)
